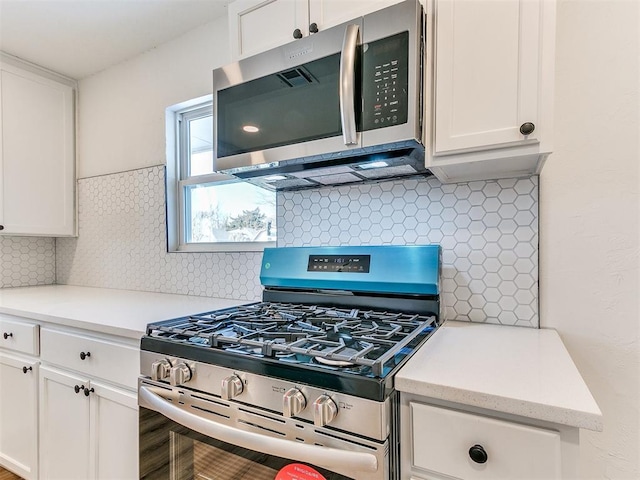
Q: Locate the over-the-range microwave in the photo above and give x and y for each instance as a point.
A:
(339, 106)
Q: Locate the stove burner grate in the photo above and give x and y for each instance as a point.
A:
(335, 337)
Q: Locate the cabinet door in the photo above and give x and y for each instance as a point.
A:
(38, 167)
(18, 415)
(328, 13)
(259, 25)
(114, 433)
(487, 65)
(64, 426)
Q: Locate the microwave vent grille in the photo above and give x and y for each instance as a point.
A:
(296, 76)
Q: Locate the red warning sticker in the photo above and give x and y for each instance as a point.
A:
(298, 471)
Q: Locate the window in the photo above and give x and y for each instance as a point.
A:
(208, 211)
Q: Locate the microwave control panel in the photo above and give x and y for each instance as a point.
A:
(385, 82)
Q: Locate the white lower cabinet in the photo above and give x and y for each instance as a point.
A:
(441, 443)
(19, 415)
(64, 426)
(88, 422)
(114, 433)
(19, 349)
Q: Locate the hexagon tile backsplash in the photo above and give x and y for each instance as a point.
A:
(488, 231)
(27, 261)
(122, 244)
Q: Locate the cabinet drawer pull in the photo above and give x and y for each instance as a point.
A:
(527, 128)
(25, 369)
(7, 335)
(478, 454)
(84, 355)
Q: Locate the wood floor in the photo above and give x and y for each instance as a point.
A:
(7, 475)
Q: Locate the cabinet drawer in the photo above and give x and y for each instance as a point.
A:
(442, 439)
(18, 335)
(112, 361)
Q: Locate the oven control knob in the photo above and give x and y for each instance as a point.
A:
(231, 387)
(160, 369)
(324, 411)
(180, 374)
(293, 402)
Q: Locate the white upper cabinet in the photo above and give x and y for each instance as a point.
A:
(259, 25)
(493, 69)
(37, 154)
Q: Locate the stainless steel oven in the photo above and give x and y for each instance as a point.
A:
(298, 386)
(188, 435)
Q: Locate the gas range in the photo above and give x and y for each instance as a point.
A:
(334, 326)
(351, 350)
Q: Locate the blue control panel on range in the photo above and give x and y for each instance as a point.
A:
(396, 269)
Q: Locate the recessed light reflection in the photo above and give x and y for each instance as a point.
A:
(274, 178)
(250, 129)
(367, 166)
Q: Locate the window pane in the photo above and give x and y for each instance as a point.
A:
(231, 212)
(201, 145)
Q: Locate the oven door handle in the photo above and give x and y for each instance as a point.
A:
(330, 458)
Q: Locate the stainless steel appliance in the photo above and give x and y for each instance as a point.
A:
(303, 380)
(339, 106)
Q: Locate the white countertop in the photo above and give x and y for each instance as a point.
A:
(521, 371)
(116, 312)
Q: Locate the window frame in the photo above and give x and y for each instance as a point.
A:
(178, 180)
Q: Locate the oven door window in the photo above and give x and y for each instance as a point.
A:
(169, 451)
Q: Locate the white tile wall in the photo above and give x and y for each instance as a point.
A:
(26, 261)
(488, 231)
(122, 244)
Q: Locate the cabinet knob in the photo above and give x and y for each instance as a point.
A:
(1, 227)
(7, 335)
(84, 355)
(87, 391)
(478, 454)
(297, 33)
(77, 388)
(313, 28)
(25, 369)
(527, 128)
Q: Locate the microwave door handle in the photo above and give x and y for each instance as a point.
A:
(347, 84)
(329, 458)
